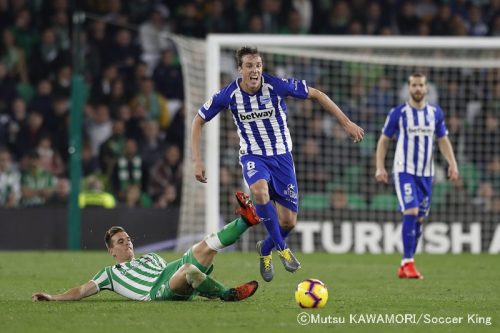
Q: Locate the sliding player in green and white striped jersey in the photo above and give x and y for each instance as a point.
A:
(151, 278)
(134, 279)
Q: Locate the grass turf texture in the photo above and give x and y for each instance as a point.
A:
(454, 285)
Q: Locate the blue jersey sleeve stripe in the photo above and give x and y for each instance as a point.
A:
(306, 88)
(218, 102)
(297, 89)
(441, 129)
(391, 123)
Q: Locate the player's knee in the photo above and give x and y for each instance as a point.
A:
(187, 267)
(203, 248)
(288, 224)
(287, 218)
(194, 276)
(260, 194)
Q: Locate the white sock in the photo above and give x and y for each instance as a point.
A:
(214, 242)
(404, 261)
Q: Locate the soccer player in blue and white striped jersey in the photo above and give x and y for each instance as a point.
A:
(257, 103)
(415, 124)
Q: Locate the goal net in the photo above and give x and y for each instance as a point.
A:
(342, 208)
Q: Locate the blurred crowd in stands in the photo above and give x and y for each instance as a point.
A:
(134, 119)
(197, 18)
(133, 127)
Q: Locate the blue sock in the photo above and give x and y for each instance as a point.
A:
(268, 244)
(269, 217)
(284, 232)
(418, 232)
(408, 233)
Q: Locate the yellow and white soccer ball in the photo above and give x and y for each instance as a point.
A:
(311, 293)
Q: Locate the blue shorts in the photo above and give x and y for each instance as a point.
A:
(279, 172)
(413, 192)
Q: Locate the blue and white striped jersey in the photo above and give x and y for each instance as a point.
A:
(261, 119)
(415, 131)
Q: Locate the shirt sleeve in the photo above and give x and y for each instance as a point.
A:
(391, 123)
(214, 105)
(102, 280)
(441, 129)
(292, 87)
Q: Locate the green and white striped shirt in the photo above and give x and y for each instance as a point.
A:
(37, 179)
(133, 279)
(9, 183)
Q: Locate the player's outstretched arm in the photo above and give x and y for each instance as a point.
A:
(354, 131)
(381, 172)
(446, 149)
(199, 167)
(74, 294)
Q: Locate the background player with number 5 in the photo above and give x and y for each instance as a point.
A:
(415, 124)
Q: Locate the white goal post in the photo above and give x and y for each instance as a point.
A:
(404, 52)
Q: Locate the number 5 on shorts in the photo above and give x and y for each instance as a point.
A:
(407, 188)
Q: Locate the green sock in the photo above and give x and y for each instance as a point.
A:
(232, 231)
(211, 288)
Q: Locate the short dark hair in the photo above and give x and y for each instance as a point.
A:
(416, 74)
(110, 233)
(243, 51)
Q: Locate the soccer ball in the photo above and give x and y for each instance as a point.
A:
(311, 293)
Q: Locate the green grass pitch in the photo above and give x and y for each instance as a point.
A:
(454, 286)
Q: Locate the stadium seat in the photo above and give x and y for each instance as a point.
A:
(333, 185)
(471, 176)
(314, 201)
(352, 178)
(439, 192)
(384, 202)
(356, 201)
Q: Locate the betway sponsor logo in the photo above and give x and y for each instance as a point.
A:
(425, 131)
(255, 115)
